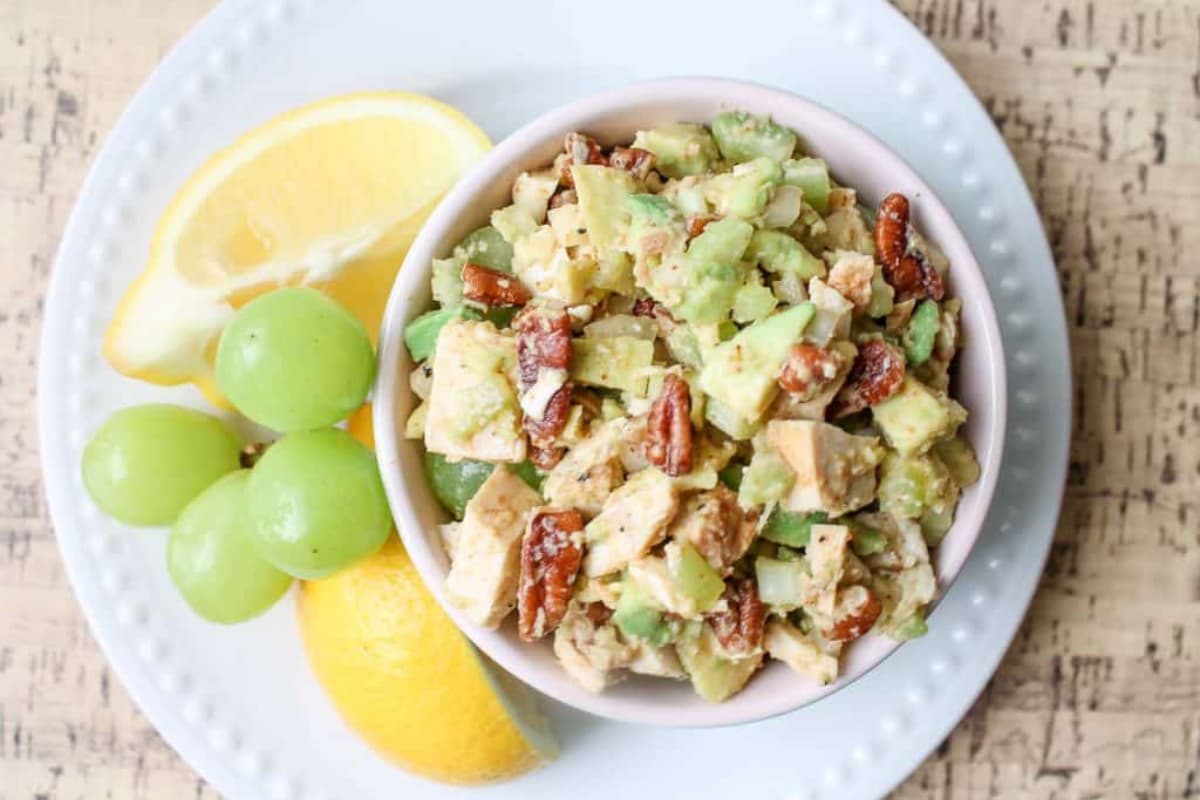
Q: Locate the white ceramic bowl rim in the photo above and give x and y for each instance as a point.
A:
(610, 115)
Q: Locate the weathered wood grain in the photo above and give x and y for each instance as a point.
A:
(1099, 696)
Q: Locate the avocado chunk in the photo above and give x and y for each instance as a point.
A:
(909, 486)
(812, 176)
(753, 301)
(766, 480)
(725, 419)
(420, 335)
(779, 253)
(712, 271)
(616, 362)
(680, 150)
(742, 372)
(638, 617)
(603, 193)
(486, 246)
(916, 416)
(745, 191)
(742, 137)
(714, 676)
(652, 209)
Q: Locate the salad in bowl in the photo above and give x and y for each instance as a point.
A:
(688, 404)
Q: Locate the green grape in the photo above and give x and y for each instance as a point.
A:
(295, 360)
(316, 503)
(147, 462)
(454, 483)
(211, 561)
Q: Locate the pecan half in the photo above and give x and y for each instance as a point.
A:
(907, 270)
(492, 287)
(876, 375)
(696, 223)
(580, 149)
(669, 428)
(646, 307)
(634, 160)
(597, 612)
(809, 368)
(544, 342)
(854, 613)
(739, 628)
(550, 558)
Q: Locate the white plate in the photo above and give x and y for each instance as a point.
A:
(239, 704)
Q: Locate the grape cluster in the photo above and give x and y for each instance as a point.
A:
(293, 361)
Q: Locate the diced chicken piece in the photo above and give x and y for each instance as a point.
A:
(714, 524)
(842, 197)
(414, 426)
(851, 275)
(549, 269)
(826, 554)
(788, 406)
(420, 380)
(487, 551)
(708, 458)
(835, 470)
(832, 320)
(903, 594)
(448, 533)
(633, 444)
(589, 472)
(661, 662)
(593, 655)
(633, 519)
(802, 653)
(532, 191)
(901, 314)
(568, 225)
(473, 409)
(906, 547)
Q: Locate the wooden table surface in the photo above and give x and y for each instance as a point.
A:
(1099, 695)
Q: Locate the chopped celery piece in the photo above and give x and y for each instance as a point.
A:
(693, 576)
(782, 583)
(779, 253)
(921, 332)
(865, 540)
(791, 529)
(731, 475)
(812, 176)
(637, 616)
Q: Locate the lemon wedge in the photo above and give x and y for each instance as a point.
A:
(328, 195)
(406, 680)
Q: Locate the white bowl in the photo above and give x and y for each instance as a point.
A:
(859, 160)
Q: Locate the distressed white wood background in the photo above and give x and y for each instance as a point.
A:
(1099, 696)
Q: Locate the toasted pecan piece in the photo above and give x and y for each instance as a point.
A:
(855, 611)
(809, 368)
(669, 428)
(908, 271)
(491, 287)
(634, 160)
(551, 553)
(544, 343)
(739, 628)
(876, 375)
